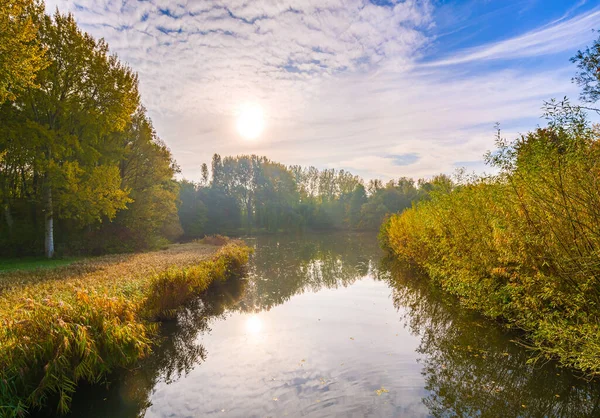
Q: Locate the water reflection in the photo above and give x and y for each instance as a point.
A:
(474, 368)
(284, 266)
(128, 394)
(322, 326)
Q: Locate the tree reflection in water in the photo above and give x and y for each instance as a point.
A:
(470, 365)
(177, 353)
(283, 266)
(473, 367)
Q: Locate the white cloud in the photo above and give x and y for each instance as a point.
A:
(340, 80)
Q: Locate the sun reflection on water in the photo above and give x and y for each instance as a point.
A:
(254, 324)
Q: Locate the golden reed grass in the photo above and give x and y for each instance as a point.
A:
(61, 326)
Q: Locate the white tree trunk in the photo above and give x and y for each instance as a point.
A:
(8, 217)
(49, 220)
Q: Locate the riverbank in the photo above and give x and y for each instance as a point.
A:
(509, 248)
(80, 322)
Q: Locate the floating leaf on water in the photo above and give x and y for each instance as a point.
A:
(380, 391)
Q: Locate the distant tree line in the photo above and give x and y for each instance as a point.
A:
(249, 194)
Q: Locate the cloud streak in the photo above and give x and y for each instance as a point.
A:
(560, 36)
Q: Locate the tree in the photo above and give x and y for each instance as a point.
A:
(192, 211)
(147, 171)
(357, 200)
(60, 139)
(21, 54)
(204, 174)
(588, 77)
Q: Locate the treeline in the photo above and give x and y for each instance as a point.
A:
(524, 245)
(81, 168)
(249, 194)
(83, 171)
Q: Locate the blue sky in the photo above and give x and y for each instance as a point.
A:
(382, 88)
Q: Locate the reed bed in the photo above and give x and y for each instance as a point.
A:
(59, 327)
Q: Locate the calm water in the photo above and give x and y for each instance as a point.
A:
(323, 327)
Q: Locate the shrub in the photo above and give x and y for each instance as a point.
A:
(522, 246)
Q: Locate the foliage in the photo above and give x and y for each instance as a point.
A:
(588, 77)
(257, 194)
(21, 54)
(473, 368)
(78, 152)
(523, 245)
(80, 322)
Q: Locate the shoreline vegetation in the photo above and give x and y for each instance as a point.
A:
(521, 246)
(84, 321)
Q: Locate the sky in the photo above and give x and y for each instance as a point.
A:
(382, 88)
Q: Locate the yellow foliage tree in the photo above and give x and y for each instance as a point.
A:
(21, 55)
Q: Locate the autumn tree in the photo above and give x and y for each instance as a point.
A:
(59, 138)
(21, 53)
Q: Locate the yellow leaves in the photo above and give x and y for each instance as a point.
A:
(22, 56)
(381, 391)
(87, 194)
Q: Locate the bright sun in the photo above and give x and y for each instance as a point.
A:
(251, 121)
(253, 324)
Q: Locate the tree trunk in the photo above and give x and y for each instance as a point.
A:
(8, 217)
(49, 220)
(249, 216)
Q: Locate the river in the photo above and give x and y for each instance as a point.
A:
(324, 326)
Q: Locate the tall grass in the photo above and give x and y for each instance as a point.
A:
(523, 246)
(82, 322)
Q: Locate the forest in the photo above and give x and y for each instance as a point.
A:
(251, 194)
(86, 179)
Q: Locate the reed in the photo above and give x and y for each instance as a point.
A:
(79, 323)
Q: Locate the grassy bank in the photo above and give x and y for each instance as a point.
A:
(62, 326)
(522, 246)
(33, 263)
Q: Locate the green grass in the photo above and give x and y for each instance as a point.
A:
(33, 263)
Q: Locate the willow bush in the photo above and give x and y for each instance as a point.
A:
(522, 246)
(56, 332)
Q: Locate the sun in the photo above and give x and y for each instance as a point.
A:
(251, 121)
